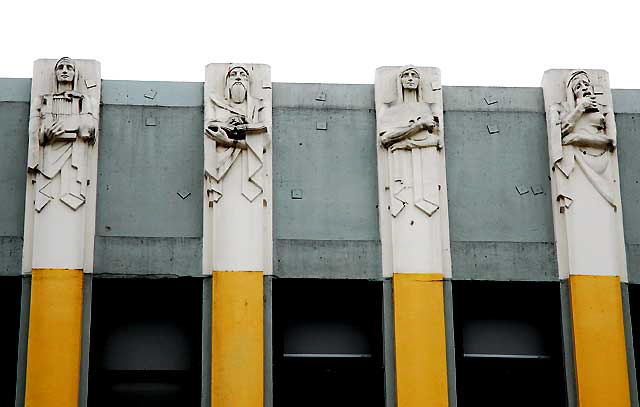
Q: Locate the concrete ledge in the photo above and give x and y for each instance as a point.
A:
(504, 261)
(336, 259)
(179, 257)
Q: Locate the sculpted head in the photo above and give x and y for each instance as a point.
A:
(65, 71)
(237, 84)
(580, 85)
(410, 79)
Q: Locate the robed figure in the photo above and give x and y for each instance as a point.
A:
(410, 139)
(62, 165)
(237, 164)
(235, 132)
(583, 159)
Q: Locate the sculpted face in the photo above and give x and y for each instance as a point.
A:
(410, 79)
(65, 71)
(237, 84)
(581, 87)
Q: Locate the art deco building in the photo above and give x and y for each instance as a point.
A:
(242, 243)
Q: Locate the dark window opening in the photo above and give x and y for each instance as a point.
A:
(10, 294)
(634, 305)
(146, 342)
(508, 344)
(327, 343)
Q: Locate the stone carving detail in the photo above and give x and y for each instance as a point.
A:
(63, 128)
(235, 127)
(237, 146)
(584, 168)
(63, 132)
(411, 169)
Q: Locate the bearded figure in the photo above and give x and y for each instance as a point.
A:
(234, 133)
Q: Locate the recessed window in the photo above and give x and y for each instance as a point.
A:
(508, 344)
(10, 294)
(634, 303)
(327, 343)
(146, 342)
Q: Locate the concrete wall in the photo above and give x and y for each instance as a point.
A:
(149, 211)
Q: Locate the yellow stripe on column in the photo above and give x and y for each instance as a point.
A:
(55, 336)
(237, 343)
(421, 359)
(599, 341)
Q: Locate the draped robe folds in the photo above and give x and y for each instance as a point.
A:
(61, 172)
(566, 155)
(219, 159)
(586, 192)
(414, 192)
(66, 156)
(414, 173)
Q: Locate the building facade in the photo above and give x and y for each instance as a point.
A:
(244, 243)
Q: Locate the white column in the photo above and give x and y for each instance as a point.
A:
(237, 231)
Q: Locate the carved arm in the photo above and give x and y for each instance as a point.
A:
(217, 132)
(396, 134)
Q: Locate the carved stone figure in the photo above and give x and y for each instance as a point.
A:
(64, 126)
(584, 173)
(237, 167)
(410, 131)
(583, 137)
(62, 165)
(236, 128)
(413, 203)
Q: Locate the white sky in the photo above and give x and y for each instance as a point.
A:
(482, 42)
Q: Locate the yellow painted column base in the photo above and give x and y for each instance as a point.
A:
(55, 337)
(421, 359)
(599, 341)
(237, 342)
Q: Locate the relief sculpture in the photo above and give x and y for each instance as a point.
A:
(410, 132)
(236, 128)
(413, 213)
(62, 165)
(237, 166)
(63, 127)
(581, 132)
(583, 136)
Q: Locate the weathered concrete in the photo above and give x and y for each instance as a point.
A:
(305, 258)
(176, 256)
(14, 117)
(145, 167)
(15, 90)
(492, 99)
(11, 259)
(152, 93)
(628, 146)
(504, 261)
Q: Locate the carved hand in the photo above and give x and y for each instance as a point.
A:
(53, 130)
(588, 103)
(428, 125)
